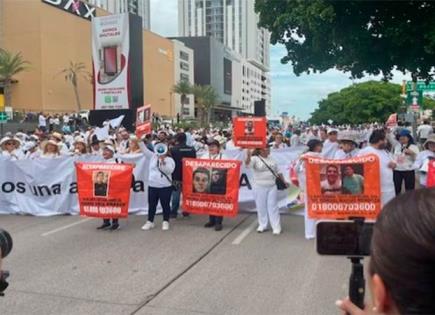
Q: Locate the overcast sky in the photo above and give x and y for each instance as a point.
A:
(298, 96)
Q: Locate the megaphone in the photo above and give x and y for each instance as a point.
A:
(160, 149)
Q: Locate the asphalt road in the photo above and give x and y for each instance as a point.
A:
(63, 265)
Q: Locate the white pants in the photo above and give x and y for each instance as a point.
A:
(266, 200)
(310, 224)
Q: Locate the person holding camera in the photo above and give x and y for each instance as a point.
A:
(401, 268)
(160, 187)
(265, 171)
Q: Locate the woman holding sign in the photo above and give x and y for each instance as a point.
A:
(265, 171)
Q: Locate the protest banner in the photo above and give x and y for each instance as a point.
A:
(211, 186)
(339, 189)
(143, 121)
(104, 189)
(431, 174)
(250, 132)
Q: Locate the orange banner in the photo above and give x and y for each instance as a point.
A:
(143, 121)
(339, 189)
(250, 132)
(104, 189)
(211, 187)
(431, 174)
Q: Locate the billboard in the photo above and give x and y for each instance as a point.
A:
(110, 52)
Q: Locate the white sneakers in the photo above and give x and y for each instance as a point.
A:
(148, 226)
(261, 229)
(276, 232)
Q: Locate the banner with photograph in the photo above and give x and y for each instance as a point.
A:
(110, 53)
(143, 121)
(339, 189)
(104, 189)
(211, 186)
(431, 174)
(250, 132)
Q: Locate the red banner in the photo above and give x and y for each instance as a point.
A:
(250, 132)
(143, 121)
(339, 189)
(211, 187)
(431, 174)
(104, 189)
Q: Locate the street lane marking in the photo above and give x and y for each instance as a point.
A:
(66, 227)
(244, 233)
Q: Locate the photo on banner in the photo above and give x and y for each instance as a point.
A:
(98, 195)
(211, 186)
(250, 132)
(339, 189)
(431, 173)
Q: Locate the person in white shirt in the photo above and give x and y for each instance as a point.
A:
(10, 148)
(295, 139)
(58, 138)
(42, 122)
(230, 145)
(405, 153)
(331, 185)
(50, 150)
(278, 143)
(421, 163)
(330, 146)
(424, 131)
(161, 167)
(124, 142)
(378, 143)
(348, 146)
(265, 190)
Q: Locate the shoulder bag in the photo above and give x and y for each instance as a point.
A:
(280, 184)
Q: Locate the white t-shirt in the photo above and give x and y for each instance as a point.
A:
(329, 149)
(424, 131)
(42, 121)
(263, 177)
(405, 162)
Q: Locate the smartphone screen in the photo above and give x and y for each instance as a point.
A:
(110, 60)
(344, 238)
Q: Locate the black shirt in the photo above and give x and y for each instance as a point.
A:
(179, 152)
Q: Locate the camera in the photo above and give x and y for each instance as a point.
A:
(350, 238)
(6, 247)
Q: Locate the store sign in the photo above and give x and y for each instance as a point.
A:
(76, 7)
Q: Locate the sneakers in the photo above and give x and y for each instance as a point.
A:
(115, 226)
(165, 225)
(104, 226)
(148, 226)
(261, 229)
(276, 232)
(209, 224)
(218, 227)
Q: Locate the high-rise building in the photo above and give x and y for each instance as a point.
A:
(138, 7)
(233, 23)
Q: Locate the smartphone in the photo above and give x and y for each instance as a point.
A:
(344, 238)
(110, 60)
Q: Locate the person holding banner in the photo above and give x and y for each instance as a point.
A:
(348, 146)
(265, 170)
(330, 146)
(422, 160)
(160, 186)
(50, 150)
(10, 148)
(378, 144)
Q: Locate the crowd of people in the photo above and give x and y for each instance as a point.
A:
(403, 159)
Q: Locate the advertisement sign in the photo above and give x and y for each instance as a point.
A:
(143, 121)
(339, 189)
(431, 174)
(250, 132)
(110, 52)
(211, 187)
(77, 7)
(104, 189)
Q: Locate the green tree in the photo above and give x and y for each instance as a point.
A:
(206, 98)
(10, 65)
(359, 103)
(182, 88)
(362, 37)
(71, 74)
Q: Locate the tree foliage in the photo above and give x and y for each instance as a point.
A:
(182, 88)
(361, 37)
(370, 101)
(71, 73)
(206, 98)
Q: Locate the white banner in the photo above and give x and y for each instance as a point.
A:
(110, 52)
(45, 187)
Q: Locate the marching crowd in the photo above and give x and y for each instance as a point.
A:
(403, 159)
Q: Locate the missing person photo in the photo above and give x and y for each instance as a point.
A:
(218, 184)
(352, 179)
(249, 128)
(101, 183)
(330, 180)
(201, 180)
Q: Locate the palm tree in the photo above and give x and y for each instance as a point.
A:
(71, 74)
(206, 98)
(10, 65)
(182, 88)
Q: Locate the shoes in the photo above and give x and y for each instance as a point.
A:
(261, 229)
(165, 225)
(186, 214)
(173, 215)
(209, 224)
(218, 227)
(115, 227)
(148, 226)
(103, 226)
(276, 232)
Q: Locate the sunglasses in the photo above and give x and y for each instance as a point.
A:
(9, 143)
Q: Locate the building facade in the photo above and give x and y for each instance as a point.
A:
(138, 7)
(233, 23)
